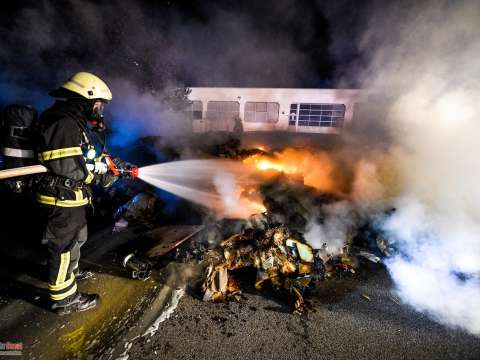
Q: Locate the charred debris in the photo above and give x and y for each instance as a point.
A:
(270, 247)
(274, 245)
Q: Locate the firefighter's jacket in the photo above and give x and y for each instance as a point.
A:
(63, 144)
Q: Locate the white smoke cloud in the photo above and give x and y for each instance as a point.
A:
(339, 224)
(430, 66)
(227, 188)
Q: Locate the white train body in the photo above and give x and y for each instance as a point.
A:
(324, 111)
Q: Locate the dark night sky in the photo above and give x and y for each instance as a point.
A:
(142, 48)
(271, 43)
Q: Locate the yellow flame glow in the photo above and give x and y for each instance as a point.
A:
(264, 164)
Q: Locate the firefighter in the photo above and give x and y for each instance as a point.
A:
(66, 147)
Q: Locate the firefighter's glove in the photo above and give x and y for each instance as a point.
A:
(98, 167)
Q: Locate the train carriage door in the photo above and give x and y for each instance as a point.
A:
(293, 117)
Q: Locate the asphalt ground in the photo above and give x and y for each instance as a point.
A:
(25, 315)
(353, 317)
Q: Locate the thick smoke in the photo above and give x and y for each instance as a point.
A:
(143, 50)
(368, 187)
(428, 65)
(338, 226)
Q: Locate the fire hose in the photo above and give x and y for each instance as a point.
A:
(37, 169)
(22, 171)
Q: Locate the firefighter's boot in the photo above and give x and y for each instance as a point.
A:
(80, 302)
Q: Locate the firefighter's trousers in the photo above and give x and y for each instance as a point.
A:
(65, 233)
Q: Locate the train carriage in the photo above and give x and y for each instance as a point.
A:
(323, 111)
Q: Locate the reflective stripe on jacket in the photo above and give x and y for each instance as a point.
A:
(62, 142)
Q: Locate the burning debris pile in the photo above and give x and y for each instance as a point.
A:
(298, 226)
(283, 243)
(273, 243)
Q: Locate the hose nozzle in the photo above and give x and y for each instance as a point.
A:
(128, 172)
(121, 168)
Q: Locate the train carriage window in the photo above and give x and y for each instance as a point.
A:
(222, 115)
(320, 115)
(265, 112)
(223, 110)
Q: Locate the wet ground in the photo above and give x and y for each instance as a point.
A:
(355, 317)
(25, 317)
(45, 335)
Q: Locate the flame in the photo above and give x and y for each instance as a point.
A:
(315, 168)
(269, 165)
(264, 163)
(343, 174)
(257, 207)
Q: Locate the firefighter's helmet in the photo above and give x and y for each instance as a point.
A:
(88, 86)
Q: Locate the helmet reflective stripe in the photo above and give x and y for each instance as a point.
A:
(89, 86)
